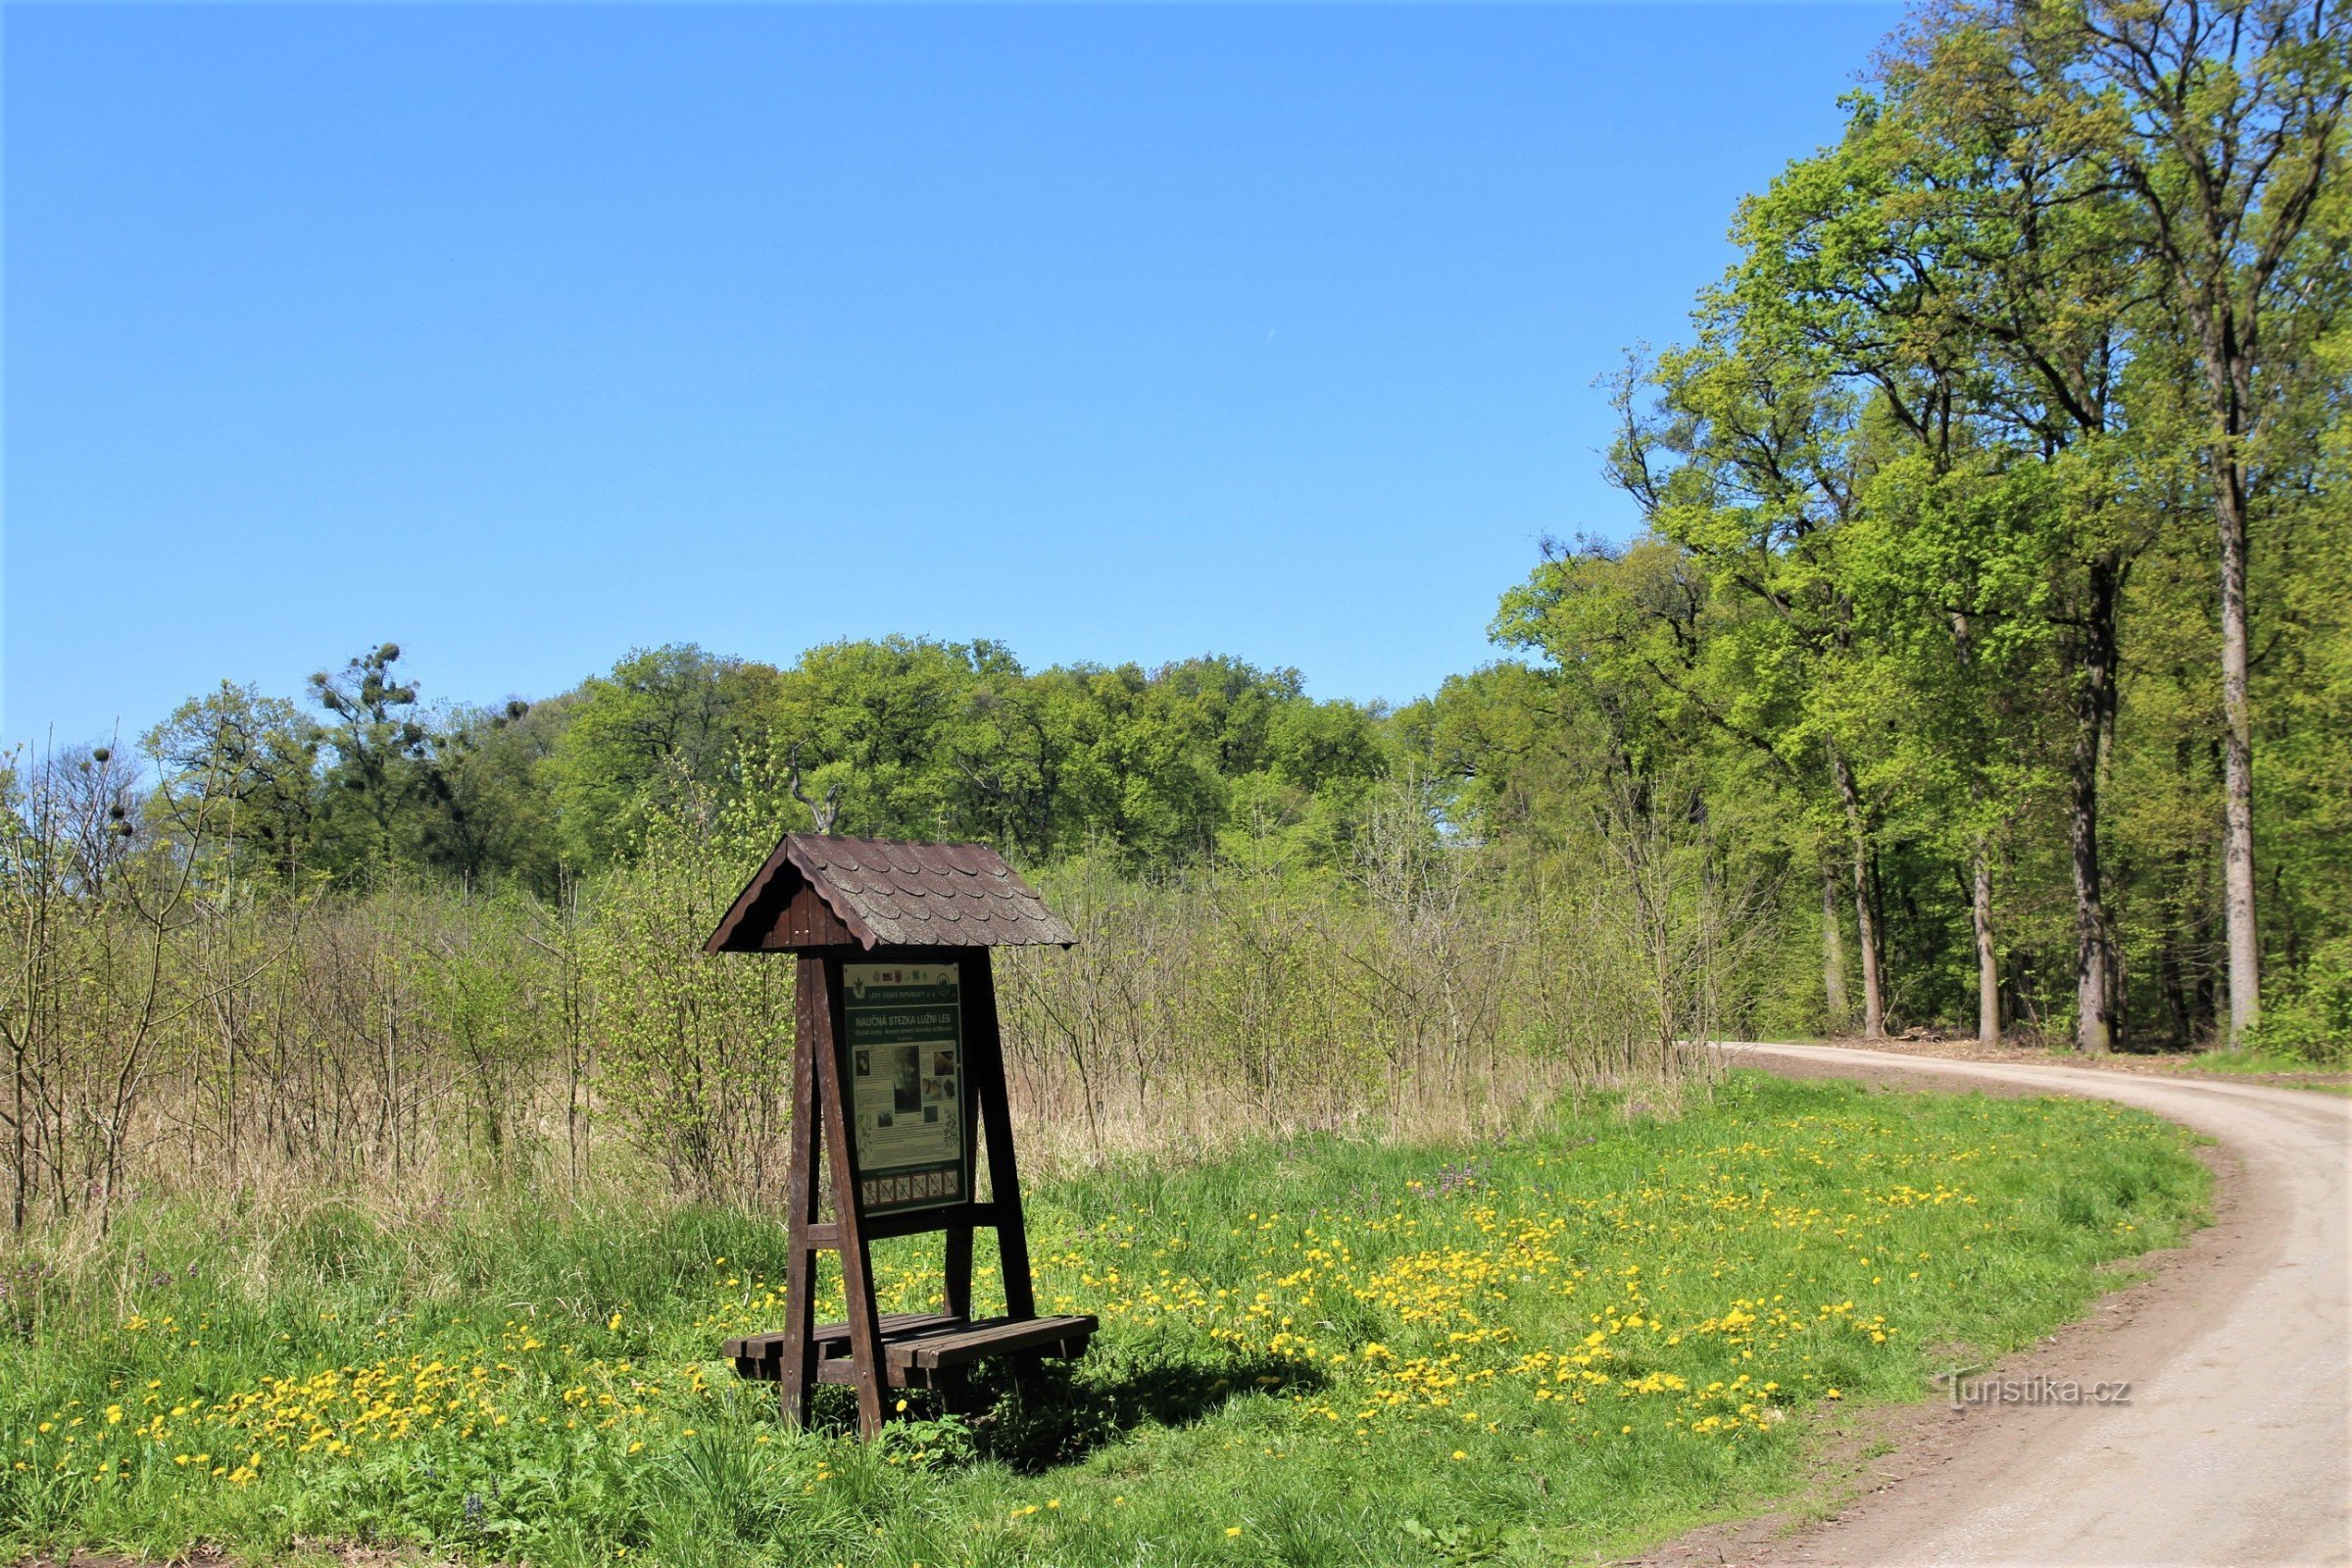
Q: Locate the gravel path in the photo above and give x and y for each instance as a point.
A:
(2235, 1446)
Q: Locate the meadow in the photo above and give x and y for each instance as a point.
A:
(1627, 1319)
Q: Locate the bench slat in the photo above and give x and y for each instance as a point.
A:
(915, 1344)
(1001, 1337)
(764, 1346)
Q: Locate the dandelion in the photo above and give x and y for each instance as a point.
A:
(1231, 1531)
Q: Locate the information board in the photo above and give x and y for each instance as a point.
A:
(903, 1029)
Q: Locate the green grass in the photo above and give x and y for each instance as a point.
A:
(1321, 1352)
(2256, 1061)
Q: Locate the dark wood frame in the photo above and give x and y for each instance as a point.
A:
(820, 1129)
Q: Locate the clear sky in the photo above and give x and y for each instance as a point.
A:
(522, 335)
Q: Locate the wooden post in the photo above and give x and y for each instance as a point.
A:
(984, 1064)
(956, 1299)
(796, 1379)
(959, 1293)
(856, 1263)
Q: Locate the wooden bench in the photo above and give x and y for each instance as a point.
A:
(920, 1349)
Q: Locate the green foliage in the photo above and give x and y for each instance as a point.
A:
(379, 772)
(2312, 1024)
(666, 725)
(494, 821)
(252, 761)
(1924, 615)
(915, 738)
(693, 1055)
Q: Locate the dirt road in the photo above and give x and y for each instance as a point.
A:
(2235, 1446)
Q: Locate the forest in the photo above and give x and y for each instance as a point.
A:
(1984, 663)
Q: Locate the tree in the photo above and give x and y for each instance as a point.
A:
(251, 761)
(1956, 253)
(667, 725)
(495, 817)
(1752, 462)
(1953, 567)
(925, 739)
(382, 764)
(2221, 122)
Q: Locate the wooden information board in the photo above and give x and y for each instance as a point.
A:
(898, 1090)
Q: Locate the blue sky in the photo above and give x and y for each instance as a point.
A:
(522, 335)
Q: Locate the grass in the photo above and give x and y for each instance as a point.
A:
(1322, 1352)
(2256, 1061)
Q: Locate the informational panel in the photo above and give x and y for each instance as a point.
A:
(903, 1042)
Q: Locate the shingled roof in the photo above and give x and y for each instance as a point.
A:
(887, 893)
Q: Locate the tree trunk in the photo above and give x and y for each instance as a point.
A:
(1988, 973)
(1832, 952)
(2094, 661)
(1866, 926)
(2237, 760)
(2093, 1031)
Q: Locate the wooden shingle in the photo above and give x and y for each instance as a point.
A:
(818, 890)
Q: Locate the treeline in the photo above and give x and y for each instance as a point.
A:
(903, 737)
(1995, 581)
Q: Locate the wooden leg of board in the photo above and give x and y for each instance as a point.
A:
(957, 1392)
(865, 1337)
(856, 1270)
(796, 1385)
(985, 1067)
(960, 1271)
(955, 1384)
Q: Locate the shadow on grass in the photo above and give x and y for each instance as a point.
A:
(1059, 1412)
